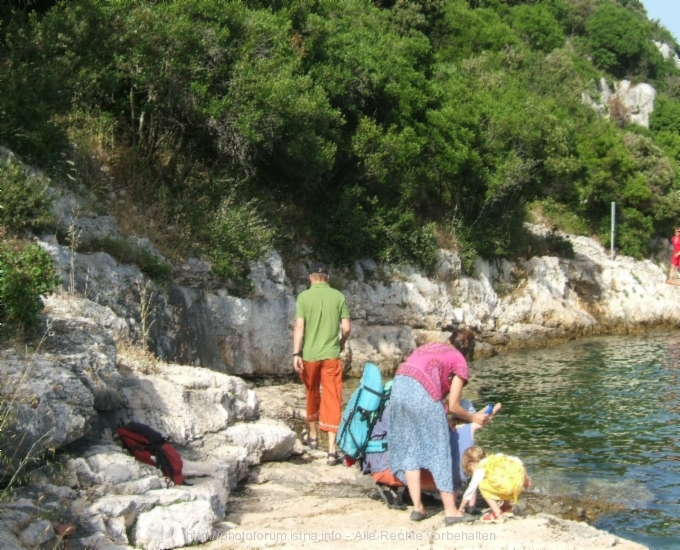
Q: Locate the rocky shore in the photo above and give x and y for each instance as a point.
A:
(250, 475)
(86, 371)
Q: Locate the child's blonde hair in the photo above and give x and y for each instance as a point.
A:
(472, 456)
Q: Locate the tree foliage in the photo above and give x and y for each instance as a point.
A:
(619, 42)
(537, 26)
(25, 201)
(360, 129)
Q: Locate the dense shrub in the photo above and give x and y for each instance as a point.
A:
(666, 115)
(238, 234)
(469, 32)
(619, 42)
(24, 199)
(538, 27)
(26, 273)
(633, 233)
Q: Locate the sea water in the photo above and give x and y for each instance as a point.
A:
(596, 418)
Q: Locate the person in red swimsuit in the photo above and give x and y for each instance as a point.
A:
(675, 257)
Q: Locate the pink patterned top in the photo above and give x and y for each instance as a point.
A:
(432, 365)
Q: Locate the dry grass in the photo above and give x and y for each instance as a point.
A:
(446, 238)
(17, 458)
(110, 175)
(134, 358)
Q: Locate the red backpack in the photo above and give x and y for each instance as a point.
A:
(150, 447)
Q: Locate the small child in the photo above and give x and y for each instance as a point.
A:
(500, 478)
(462, 437)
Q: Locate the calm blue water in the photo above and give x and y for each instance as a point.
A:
(597, 418)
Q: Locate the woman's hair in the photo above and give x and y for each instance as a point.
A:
(472, 456)
(463, 339)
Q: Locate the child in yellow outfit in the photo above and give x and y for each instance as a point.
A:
(500, 478)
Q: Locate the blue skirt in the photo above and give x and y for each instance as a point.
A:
(418, 434)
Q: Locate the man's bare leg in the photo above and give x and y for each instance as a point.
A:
(313, 434)
(331, 442)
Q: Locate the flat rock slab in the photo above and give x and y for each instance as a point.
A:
(318, 506)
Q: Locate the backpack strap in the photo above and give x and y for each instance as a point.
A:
(152, 436)
(376, 446)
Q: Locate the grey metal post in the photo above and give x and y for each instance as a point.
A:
(613, 228)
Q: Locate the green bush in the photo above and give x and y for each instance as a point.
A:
(398, 238)
(32, 89)
(633, 234)
(538, 27)
(666, 115)
(469, 32)
(24, 199)
(670, 143)
(238, 235)
(619, 42)
(26, 273)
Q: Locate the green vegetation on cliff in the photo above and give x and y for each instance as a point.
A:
(359, 128)
(26, 271)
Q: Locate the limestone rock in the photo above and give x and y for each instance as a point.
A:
(35, 534)
(90, 353)
(385, 346)
(190, 325)
(7, 540)
(64, 306)
(235, 335)
(109, 469)
(174, 526)
(668, 53)
(185, 404)
(215, 448)
(281, 403)
(213, 470)
(71, 214)
(101, 278)
(638, 100)
(99, 541)
(142, 243)
(57, 390)
(52, 406)
(630, 103)
(511, 305)
(265, 440)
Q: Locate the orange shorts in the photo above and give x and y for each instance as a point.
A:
(324, 406)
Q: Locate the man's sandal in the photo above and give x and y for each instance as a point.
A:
(333, 459)
(311, 442)
(419, 516)
(490, 517)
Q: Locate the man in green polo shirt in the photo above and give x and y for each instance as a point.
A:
(321, 315)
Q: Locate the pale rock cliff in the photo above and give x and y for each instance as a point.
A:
(668, 53)
(627, 102)
(511, 305)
